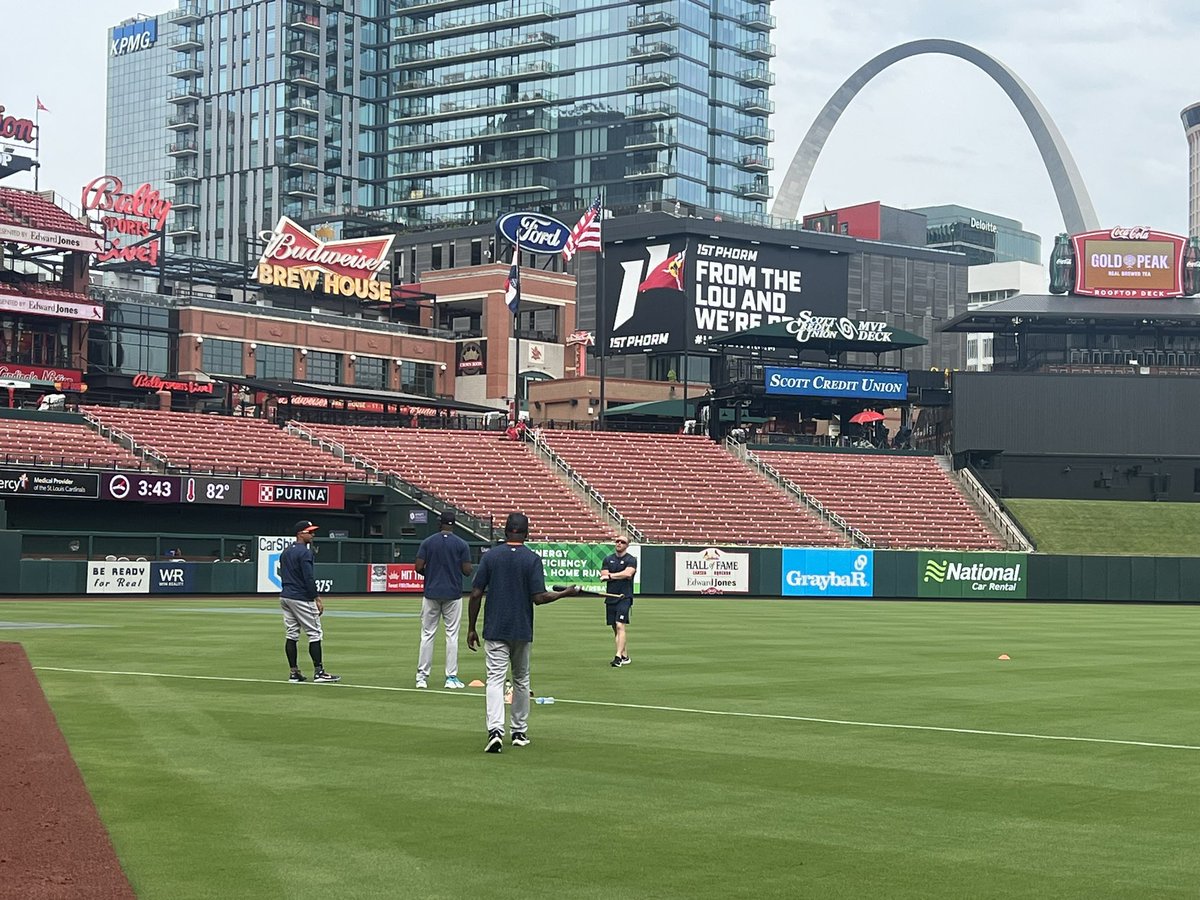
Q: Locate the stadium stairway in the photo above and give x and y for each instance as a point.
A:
(481, 472)
(684, 489)
(899, 501)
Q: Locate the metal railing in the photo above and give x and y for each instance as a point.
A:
(990, 507)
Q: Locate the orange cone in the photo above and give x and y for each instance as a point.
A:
(476, 683)
(1003, 656)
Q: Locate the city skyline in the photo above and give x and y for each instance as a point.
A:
(1114, 83)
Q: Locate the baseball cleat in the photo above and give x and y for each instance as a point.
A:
(453, 683)
(296, 677)
(325, 677)
(495, 742)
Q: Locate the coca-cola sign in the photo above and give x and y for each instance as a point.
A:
(295, 258)
(1130, 263)
(15, 129)
(132, 222)
(158, 383)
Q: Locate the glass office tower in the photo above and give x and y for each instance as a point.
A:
(430, 112)
(136, 109)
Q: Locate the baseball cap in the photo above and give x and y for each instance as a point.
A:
(304, 525)
(447, 517)
(516, 523)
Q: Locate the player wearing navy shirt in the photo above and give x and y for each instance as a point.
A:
(618, 569)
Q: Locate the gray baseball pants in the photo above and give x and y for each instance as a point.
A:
(498, 655)
(450, 612)
(299, 614)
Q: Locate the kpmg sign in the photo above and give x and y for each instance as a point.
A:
(805, 382)
(534, 232)
(828, 573)
(131, 37)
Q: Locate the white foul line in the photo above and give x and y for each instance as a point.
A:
(781, 717)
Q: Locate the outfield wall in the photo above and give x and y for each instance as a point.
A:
(677, 571)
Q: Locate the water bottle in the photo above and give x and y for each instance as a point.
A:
(543, 700)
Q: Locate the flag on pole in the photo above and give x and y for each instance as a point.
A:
(669, 274)
(41, 107)
(586, 233)
(512, 287)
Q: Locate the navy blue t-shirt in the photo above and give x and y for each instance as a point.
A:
(510, 574)
(296, 572)
(619, 562)
(444, 554)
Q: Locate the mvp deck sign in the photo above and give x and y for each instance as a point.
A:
(969, 576)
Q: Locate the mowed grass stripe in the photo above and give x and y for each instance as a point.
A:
(224, 788)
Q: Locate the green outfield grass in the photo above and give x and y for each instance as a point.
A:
(1110, 528)
(698, 771)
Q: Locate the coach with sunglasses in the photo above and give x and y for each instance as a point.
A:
(618, 570)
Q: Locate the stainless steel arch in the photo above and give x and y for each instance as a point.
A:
(1077, 211)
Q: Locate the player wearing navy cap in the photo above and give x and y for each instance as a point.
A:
(301, 606)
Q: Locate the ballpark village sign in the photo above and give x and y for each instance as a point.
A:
(295, 258)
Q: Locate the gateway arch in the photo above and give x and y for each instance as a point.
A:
(1073, 200)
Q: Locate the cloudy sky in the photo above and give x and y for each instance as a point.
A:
(1113, 75)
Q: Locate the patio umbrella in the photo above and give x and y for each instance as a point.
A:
(867, 415)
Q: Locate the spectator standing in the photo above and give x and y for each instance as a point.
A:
(512, 577)
(618, 570)
(443, 558)
(301, 605)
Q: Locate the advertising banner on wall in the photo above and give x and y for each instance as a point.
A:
(111, 577)
(394, 578)
(267, 562)
(300, 494)
(828, 573)
(68, 378)
(972, 575)
(806, 382)
(295, 258)
(172, 578)
(570, 563)
(18, 482)
(665, 295)
(471, 357)
(712, 571)
(1132, 263)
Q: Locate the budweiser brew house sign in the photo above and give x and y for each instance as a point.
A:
(295, 258)
(133, 221)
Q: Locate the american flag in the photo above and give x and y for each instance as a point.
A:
(512, 287)
(586, 233)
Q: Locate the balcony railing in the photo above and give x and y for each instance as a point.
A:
(653, 170)
(757, 76)
(651, 81)
(652, 21)
(756, 134)
(654, 50)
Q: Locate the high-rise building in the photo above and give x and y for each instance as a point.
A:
(1191, 127)
(136, 146)
(984, 237)
(431, 112)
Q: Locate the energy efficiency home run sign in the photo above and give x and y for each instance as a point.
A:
(1002, 576)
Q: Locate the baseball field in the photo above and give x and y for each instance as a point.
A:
(825, 749)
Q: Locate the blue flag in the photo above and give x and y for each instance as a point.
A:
(512, 288)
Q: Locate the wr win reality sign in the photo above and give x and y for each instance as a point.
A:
(681, 292)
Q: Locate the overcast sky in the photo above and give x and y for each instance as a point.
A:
(1113, 74)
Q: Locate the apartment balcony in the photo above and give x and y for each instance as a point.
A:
(756, 76)
(457, 81)
(187, 94)
(652, 51)
(475, 106)
(301, 17)
(297, 130)
(536, 153)
(757, 106)
(756, 134)
(184, 122)
(301, 187)
(183, 148)
(654, 139)
(492, 187)
(186, 14)
(758, 48)
(181, 175)
(188, 67)
(759, 20)
(754, 191)
(647, 23)
(651, 111)
(522, 13)
(301, 159)
(648, 172)
(188, 39)
(755, 162)
(302, 74)
(451, 137)
(651, 81)
(294, 103)
(184, 226)
(302, 46)
(186, 198)
(423, 6)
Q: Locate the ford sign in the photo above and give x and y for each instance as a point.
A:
(534, 232)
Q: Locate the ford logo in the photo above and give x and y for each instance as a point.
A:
(534, 232)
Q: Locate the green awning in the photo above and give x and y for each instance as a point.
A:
(777, 336)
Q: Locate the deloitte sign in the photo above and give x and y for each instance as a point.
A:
(1002, 576)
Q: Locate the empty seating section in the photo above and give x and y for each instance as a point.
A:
(685, 489)
(30, 210)
(897, 501)
(225, 445)
(480, 472)
(27, 442)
